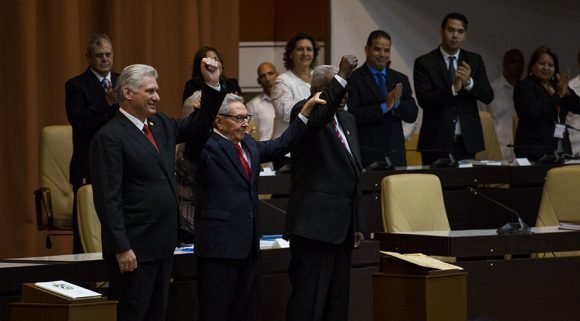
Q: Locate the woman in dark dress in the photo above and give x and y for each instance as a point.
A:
(542, 100)
(194, 84)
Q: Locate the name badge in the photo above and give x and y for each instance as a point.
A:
(559, 131)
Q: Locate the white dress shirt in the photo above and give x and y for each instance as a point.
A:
(502, 111)
(262, 111)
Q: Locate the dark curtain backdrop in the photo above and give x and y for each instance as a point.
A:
(43, 45)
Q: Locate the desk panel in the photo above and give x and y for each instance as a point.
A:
(522, 288)
(273, 286)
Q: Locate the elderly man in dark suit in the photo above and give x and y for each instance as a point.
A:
(90, 103)
(226, 237)
(448, 82)
(324, 220)
(380, 98)
(132, 161)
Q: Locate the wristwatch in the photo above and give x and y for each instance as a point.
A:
(468, 83)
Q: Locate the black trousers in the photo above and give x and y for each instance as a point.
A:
(142, 294)
(227, 288)
(320, 276)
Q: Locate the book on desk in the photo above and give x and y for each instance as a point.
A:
(569, 225)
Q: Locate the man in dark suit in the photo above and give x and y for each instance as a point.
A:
(132, 162)
(380, 98)
(448, 82)
(226, 228)
(324, 218)
(90, 103)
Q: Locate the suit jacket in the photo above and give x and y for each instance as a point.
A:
(380, 134)
(134, 186)
(325, 196)
(227, 216)
(441, 108)
(87, 111)
(537, 113)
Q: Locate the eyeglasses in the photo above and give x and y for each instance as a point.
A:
(238, 119)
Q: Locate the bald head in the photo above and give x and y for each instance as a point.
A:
(266, 76)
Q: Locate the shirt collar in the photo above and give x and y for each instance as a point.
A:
(101, 77)
(446, 55)
(138, 123)
(374, 71)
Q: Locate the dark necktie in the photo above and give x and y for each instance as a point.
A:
(150, 137)
(452, 68)
(382, 84)
(106, 84)
(245, 164)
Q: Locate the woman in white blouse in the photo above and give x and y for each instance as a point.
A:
(293, 85)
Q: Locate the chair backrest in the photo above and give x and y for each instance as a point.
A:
(560, 200)
(492, 149)
(55, 155)
(88, 221)
(411, 154)
(413, 202)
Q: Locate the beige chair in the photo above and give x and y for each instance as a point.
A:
(411, 154)
(492, 149)
(413, 202)
(89, 224)
(54, 199)
(560, 200)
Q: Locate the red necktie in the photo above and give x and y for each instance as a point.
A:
(243, 160)
(150, 137)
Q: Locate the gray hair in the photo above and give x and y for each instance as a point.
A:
(228, 100)
(97, 40)
(132, 77)
(323, 74)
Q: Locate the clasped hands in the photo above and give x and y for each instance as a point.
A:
(462, 75)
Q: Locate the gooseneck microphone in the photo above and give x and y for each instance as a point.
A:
(510, 228)
(379, 165)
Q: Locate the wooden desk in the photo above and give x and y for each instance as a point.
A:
(519, 188)
(521, 288)
(273, 287)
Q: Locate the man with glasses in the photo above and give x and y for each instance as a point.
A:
(226, 217)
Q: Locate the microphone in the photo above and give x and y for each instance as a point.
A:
(274, 207)
(448, 161)
(510, 228)
(379, 165)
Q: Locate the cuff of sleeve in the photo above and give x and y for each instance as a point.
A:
(397, 104)
(384, 108)
(218, 87)
(470, 86)
(341, 80)
(303, 118)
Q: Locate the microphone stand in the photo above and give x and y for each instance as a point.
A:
(510, 228)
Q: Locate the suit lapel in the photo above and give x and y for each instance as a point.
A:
(138, 136)
(347, 128)
(231, 154)
(371, 83)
